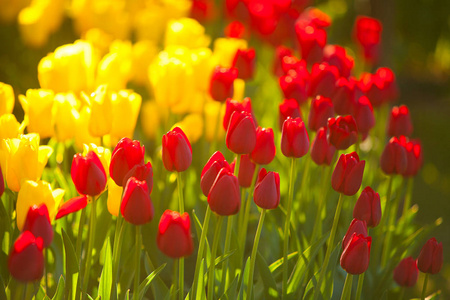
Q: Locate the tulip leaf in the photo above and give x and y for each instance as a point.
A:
(40, 295)
(71, 263)
(2, 288)
(270, 286)
(104, 288)
(231, 292)
(201, 281)
(244, 282)
(143, 287)
(159, 288)
(59, 294)
(127, 295)
(224, 257)
(278, 263)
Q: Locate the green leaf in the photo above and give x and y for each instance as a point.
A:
(270, 286)
(244, 282)
(231, 292)
(278, 263)
(201, 281)
(159, 288)
(104, 288)
(59, 294)
(71, 264)
(146, 283)
(40, 295)
(224, 257)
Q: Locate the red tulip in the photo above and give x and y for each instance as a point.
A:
(356, 255)
(246, 171)
(363, 114)
(373, 87)
(264, 151)
(235, 30)
(280, 52)
(288, 108)
(400, 121)
(393, 159)
(202, 10)
(88, 174)
(71, 206)
(263, 16)
(414, 156)
(176, 150)
(211, 169)
(232, 106)
(344, 96)
(368, 35)
(368, 207)
(348, 173)
(294, 138)
(406, 272)
(390, 89)
(26, 260)
(290, 62)
(174, 234)
(241, 133)
(293, 86)
(267, 190)
(321, 110)
(136, 206)
(343, 131)
(322, 152)
(311, 39)
(125, 156)
(142, 173)
(336, 56)
(430, 259)
(316, 17)
(38, 223)
(221, 86)
(356, 226)
(244, 62)
(224, 197)
(323, 80)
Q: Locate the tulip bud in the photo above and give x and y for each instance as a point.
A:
(294, 86)
(363, 114)
(6, 99)
(336, 56)
(88, 174)
(321, 110)
(136, 207)
(38, 223)
(406, 272)
(400, 121)
(323, 80)
(232, 106)
(124, 157)
(209, 173)
(241, 133)
(368, 207)
(343, 131)
(414, 156)
(356, 255)
(288, 108)
(280, 52)
(356, 226)
(142, 173)
(322, 152)
(294, 138)
(221, 86)
(176, 150)
(267, 190)
(312, 39)
(174, 234)
(368, 35)
(235, 30)
(264, 151)
(344, 96)
(348, 173)
(393, 159)
(246, 171)
(430, 259)
(26, 260)
(224, 197)
(372, 86)
(244, 62)
(390, 89)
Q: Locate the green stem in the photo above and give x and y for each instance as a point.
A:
(329, 247)
(408, 195)
(360, 286)
(254, 253)
(213, 258)
(401, 295)
(120, 224)
(90, 246)
(46, 270)
(424, 289)
(138, 263)
(200, 253)
(317, 228)
(347, 290)
(180, 193)
(80, 233)
(181, 277)
(287, 227)
(247, 209)
(216, 130)
(224, 282)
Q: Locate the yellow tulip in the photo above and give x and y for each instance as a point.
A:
(23, 159)
(143, 54)
(203, 67)
(153, 17)
(99, 39)
(104, 154)
(114, 69)
(65, 116)
(9, 127)
(192, 125)
(186, 32)
(152, 115)
(100, 120)
(239, 89)
(125, 110)
(214, 129)
(114, 197)
(33, 27)
(176, 9)
(37, 105)
(37, 193)
(6, 99)
(225, 50)
(82, 134)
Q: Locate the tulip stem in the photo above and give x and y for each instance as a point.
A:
(201, 251)
(408, 195)
(80, 233)
(138, 264)
(329, 247)
(46, 270)
(360, 286)
(116, 253)
(317, 228)
(347, 290)
(247, 209)
(224, 282)
(211, 278)
(180, 193)
(287, 227)
(90, 245)
(424, 289)
(254, 253)
(216, 130)
(401, 295)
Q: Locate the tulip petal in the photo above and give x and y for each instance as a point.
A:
(71, 206)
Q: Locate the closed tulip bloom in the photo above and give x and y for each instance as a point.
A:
(6, 99)
(114, 197)
(400, 121)
(393, 159)
(368, 207)
(356, 226)
(209, 173)
(234, 105)
(241, 133)
(322, 152)
(100, 103)
(264, 151)
(294, 86)
(321, 110)
(124, 157)
(348, 173)
(88, 174)
(26, 260)
(224, 197)
(142, 173)
(246, 171)
(38, 223)
(37, 105)
(372, 86)
(9, 127)
(176, 150)
(336, 55)
(280, 52)
(291, 62)
(186, 32)
(267, 190)
(406, 272)
(221, 86)
(344, 95)
(66, 114)
(294, 138)
(364, 117)
(430, 259)
(414, 156)
(368, 35)
(323, 80)
(343, 131)
(244, 62)
(312, 39)
(288, 108)
(356, 255)
(174, 234)
(136, 206)
(124, 103)
(390, 89)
